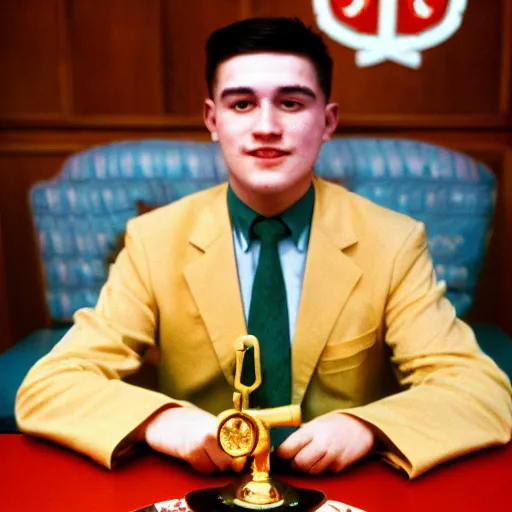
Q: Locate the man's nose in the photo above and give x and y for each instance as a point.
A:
(267, 123)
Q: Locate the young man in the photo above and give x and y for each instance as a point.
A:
(372, 350)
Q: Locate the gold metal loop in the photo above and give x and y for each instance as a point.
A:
(241, 346)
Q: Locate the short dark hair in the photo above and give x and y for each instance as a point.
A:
(280, 35)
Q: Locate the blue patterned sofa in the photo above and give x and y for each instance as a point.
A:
(81, 214)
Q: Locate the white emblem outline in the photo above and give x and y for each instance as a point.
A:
(387, 44)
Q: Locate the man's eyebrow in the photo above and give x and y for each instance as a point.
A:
(287, 89)
(231, 91)
(300, 89)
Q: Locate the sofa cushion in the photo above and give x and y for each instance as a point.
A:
(14, 365)
(496, 344)
(80, 214)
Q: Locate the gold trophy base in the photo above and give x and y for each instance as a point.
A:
(244, 432)
(243, 495)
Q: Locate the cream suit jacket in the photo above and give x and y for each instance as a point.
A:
(375, 336)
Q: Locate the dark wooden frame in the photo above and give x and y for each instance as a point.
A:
(5, 328)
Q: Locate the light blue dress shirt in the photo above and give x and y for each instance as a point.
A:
(293, 264)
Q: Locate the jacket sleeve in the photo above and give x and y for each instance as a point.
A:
(454, 399)
(75, 395)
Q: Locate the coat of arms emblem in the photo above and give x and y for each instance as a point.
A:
(395, 30)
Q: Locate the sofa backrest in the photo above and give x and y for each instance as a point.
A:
(80, 214)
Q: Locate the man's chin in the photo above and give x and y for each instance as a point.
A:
(271, 187)
(270, 182)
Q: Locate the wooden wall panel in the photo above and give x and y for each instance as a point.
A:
(302, 9)
(23, 271)
(29, 57)
(116, 54)
(140, 62)
(188, 26)
(505, 215)
(506, 63)
(488, 298)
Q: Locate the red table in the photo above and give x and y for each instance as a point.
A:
(38, 476)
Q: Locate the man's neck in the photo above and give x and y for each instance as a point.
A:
(270, 205)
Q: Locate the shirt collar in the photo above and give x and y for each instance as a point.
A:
(297, 217)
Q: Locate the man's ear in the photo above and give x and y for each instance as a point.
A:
(331, 120)
(209, 117)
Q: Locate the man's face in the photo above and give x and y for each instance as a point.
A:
(271, 118)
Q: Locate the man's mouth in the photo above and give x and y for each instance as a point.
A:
(268, 153)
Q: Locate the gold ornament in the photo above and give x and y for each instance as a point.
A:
(238, 434)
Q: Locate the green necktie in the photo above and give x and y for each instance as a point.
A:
(268, 319)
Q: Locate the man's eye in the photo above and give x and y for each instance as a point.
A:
(291, 105)
(242, 106)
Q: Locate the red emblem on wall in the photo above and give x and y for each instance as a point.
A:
(394, 30)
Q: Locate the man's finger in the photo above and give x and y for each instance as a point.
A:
(308, 456)
(220, 459)
(338, 464)
(321, 465)
(202, 462)
(238, 463)
(294, 444)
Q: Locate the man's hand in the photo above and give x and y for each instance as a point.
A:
(330, 442)
(190, 434)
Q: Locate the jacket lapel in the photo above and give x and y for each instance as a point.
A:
(213, 281)
(329, 279)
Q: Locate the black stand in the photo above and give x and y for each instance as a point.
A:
(212, 500)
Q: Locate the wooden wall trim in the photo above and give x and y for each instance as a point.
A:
(42, 149)
(171, 121)
(120, 122)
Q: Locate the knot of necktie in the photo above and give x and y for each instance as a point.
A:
(270, 230)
